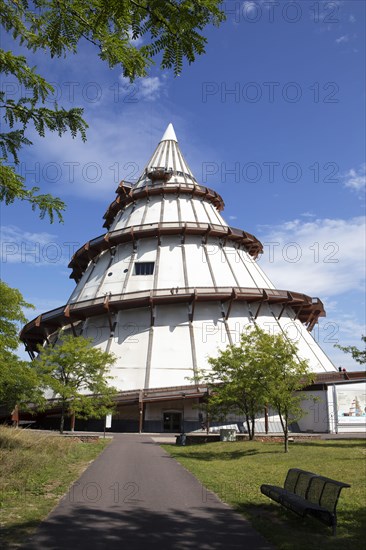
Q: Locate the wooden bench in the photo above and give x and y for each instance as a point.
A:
(308, 494)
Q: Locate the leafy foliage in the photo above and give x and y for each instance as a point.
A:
(170, 29)
(73, 370)
(358, 355)
(18, 382)
(11, 313)
(263, 370)
(237, 379)
(286, 374)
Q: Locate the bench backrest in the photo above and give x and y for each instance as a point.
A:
(298, 481)
(291, 479)
(325, 492)
(316, 489)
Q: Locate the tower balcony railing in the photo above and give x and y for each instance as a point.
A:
(140, 191)
(299, 306)
(89, 251)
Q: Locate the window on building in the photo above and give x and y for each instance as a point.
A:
(144, 268)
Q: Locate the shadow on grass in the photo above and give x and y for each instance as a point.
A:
(219, 455)
(287, 530)
(13, 535)
(334, 444)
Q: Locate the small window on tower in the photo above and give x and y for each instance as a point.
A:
(144, 268)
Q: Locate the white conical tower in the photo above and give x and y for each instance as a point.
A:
(170, 283)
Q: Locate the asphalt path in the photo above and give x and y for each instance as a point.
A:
(135, 496)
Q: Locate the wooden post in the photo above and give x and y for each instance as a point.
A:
(207, 413)
(266, 419)
(141, 412)
(15, 416)
(72, 421)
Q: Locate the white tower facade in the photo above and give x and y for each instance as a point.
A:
(170, 283)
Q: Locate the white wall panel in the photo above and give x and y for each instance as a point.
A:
(146, 252)
(201, 212)
(220, 267)
(220, 218)
(170, 269)
(186, 209)
(123, 221)
(296, 332)
(171, 333)
(238, 320)
(79, 287)
(130, 344)
(170, 209)
(91, 287)
(117, 271)
(261, 275)
(197, 266)
(316, 417)
(255, 271)
(212, 213)
(268, 322)
(209, 332)
(242, 273)
(153, 210)
(137, 214)
(98, 329)
(117, 219)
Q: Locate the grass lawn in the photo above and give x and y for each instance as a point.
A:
(235, 471)
(36, 469)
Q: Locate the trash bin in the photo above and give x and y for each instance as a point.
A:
(181, 440)
(227, 434)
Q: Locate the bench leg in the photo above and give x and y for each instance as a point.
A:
(334, 527)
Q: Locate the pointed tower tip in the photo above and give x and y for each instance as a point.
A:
(169, 134)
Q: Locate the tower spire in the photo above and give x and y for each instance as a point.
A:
(169, 134)
(167, 164)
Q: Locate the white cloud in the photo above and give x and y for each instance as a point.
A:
(249, 7)
(352, 19)
(342, 39)
(342, 329)
(148, 88)
(233, 217)
(32, 249)
(324, 257)
(356, 178)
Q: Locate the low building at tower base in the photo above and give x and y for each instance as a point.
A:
(334, 404)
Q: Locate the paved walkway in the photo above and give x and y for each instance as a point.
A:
(135, 496)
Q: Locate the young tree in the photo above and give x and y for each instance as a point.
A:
(358, 355)
(78, 375)
(236, 379)
(285, 375)
(18, 382)
(263, 370)
(11, 316)
(169, 29)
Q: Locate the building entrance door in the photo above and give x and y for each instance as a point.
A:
(172, 421)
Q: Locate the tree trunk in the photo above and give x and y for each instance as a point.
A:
(285, 432)
(253, 426)
(62, 423)
(284, 424)
(247, 421)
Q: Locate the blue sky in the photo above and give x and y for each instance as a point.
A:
(272, 117)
